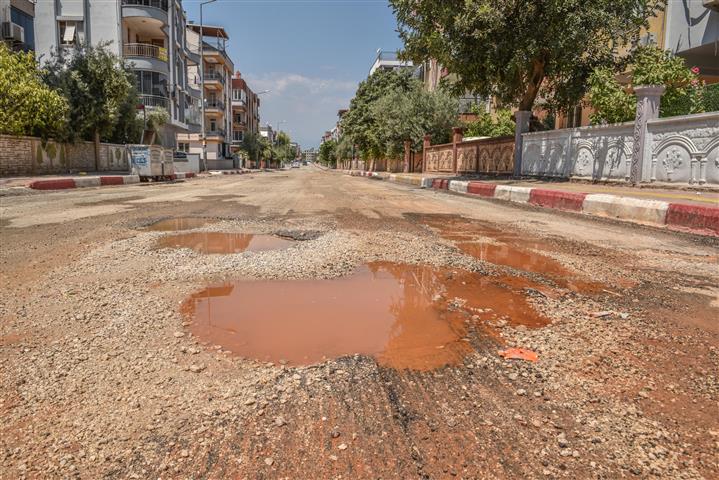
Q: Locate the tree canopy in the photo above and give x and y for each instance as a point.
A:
(409, 115)
(613, 102)
(98, 87)
(361, 122)
(27, 105)
(517, 50)
(499, 124)
(327, 154)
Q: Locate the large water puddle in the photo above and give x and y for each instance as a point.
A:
(509, 249)
(406, 316)
(179, 223)
(220, 242)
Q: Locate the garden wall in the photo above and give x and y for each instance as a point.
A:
(32, 156)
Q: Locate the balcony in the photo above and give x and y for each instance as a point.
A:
(153, 101)
(212, 106)
(156, 9)
(143, 56)
(214, 77)
(216, 133)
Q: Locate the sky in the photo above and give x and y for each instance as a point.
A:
(310, 54)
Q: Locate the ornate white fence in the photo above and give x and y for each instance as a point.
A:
(683, 149)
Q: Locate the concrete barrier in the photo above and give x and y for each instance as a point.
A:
(458, 186)
(693, 217)
(83, 182)
(482, 189)
(626, 208)
(512, 194)
(557, 199)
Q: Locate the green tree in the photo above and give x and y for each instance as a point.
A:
(360, 123)
(328, 153)
(27, 105)
(252, 146)
(97, 84)
(410, 114)
(648, 65)
(344, 149)
(516, 50)
(499, 124)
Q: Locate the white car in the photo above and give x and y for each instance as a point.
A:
(295, 164)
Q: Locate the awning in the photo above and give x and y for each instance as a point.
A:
(69, 36)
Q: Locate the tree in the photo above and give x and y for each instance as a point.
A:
(516, 50)
(360, 123)
(328, 154)
(252, 146)
(344, 149)
(97, 84)
(499, 124)
(648, 65)
(27, 105)
(409, 115)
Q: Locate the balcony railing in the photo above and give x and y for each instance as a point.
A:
(153, 101)
(161, 4)
(215, 77)
(218, 132)
(216, 104)
(144, 50)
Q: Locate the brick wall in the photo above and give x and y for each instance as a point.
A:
(30, 156)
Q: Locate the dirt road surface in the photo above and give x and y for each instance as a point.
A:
(105, 373)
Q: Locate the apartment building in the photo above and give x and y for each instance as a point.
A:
(245, 111)
(17, 26)
(268, 132)
(149, 34)
(208, 46)
(388, 61)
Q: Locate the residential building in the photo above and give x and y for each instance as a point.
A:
(210, 54)
(309, 155)
(267, 132)
(388, 61)
(17, 24)
(245, 111)
(689, 29)
(149, 34)
(326, 137)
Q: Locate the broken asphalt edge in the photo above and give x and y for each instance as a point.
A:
(698, 219)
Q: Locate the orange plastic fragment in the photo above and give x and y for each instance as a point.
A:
(519, 354)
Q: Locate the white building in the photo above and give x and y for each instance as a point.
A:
(149, 34)
(388, 61)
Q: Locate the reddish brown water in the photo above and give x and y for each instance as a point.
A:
(219, 242)
(180, 223)
(396, 313)
(510, 249)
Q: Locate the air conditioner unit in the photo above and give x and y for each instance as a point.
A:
(13, 31)
(711, 4)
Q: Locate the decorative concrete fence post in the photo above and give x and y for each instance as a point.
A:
(457, 135)
(426, 142)
(648, 99)
(521, 118)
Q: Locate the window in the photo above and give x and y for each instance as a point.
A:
(71, 33)
(27, 23)
(213, 125)
(574, 117)
(183, 147)
(151, 83)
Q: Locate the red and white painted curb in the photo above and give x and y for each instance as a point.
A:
(699, 219)
(182, 175)
(82, 182)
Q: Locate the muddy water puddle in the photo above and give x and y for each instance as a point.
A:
(400, 314)
(510, 249)
(220, 242)
(179, 223)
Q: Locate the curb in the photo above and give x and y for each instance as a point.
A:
(702, 220)
(82, 182)
(182, 175)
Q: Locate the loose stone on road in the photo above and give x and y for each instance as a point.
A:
(237, 326)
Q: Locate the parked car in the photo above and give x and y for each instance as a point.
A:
(295, 164)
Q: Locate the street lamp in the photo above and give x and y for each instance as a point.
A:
(202, 87)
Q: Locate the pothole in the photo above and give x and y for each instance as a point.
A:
(179, 223)
(406, 316)
(220, 242)
(509, 249)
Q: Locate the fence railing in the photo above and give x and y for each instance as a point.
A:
(144, 50)
(490, 156)
(153, 101)
(216, 104)
(161, 4)
(218, 132)
(214, 76)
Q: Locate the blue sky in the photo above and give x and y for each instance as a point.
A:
(311, 54)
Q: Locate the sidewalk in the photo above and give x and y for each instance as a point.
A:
(678, 209)
(61, 182)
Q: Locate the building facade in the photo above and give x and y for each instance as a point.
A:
(388, 61)
(211, 55)
(245, 111)
(17, 24)
(148, 34)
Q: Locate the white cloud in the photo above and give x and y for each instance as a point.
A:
(308, 104)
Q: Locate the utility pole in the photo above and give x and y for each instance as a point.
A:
(202, 89)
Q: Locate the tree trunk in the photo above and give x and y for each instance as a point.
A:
(535, 82)
(97, 151)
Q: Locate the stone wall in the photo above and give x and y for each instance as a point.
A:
(32, 156)
(683, 149)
